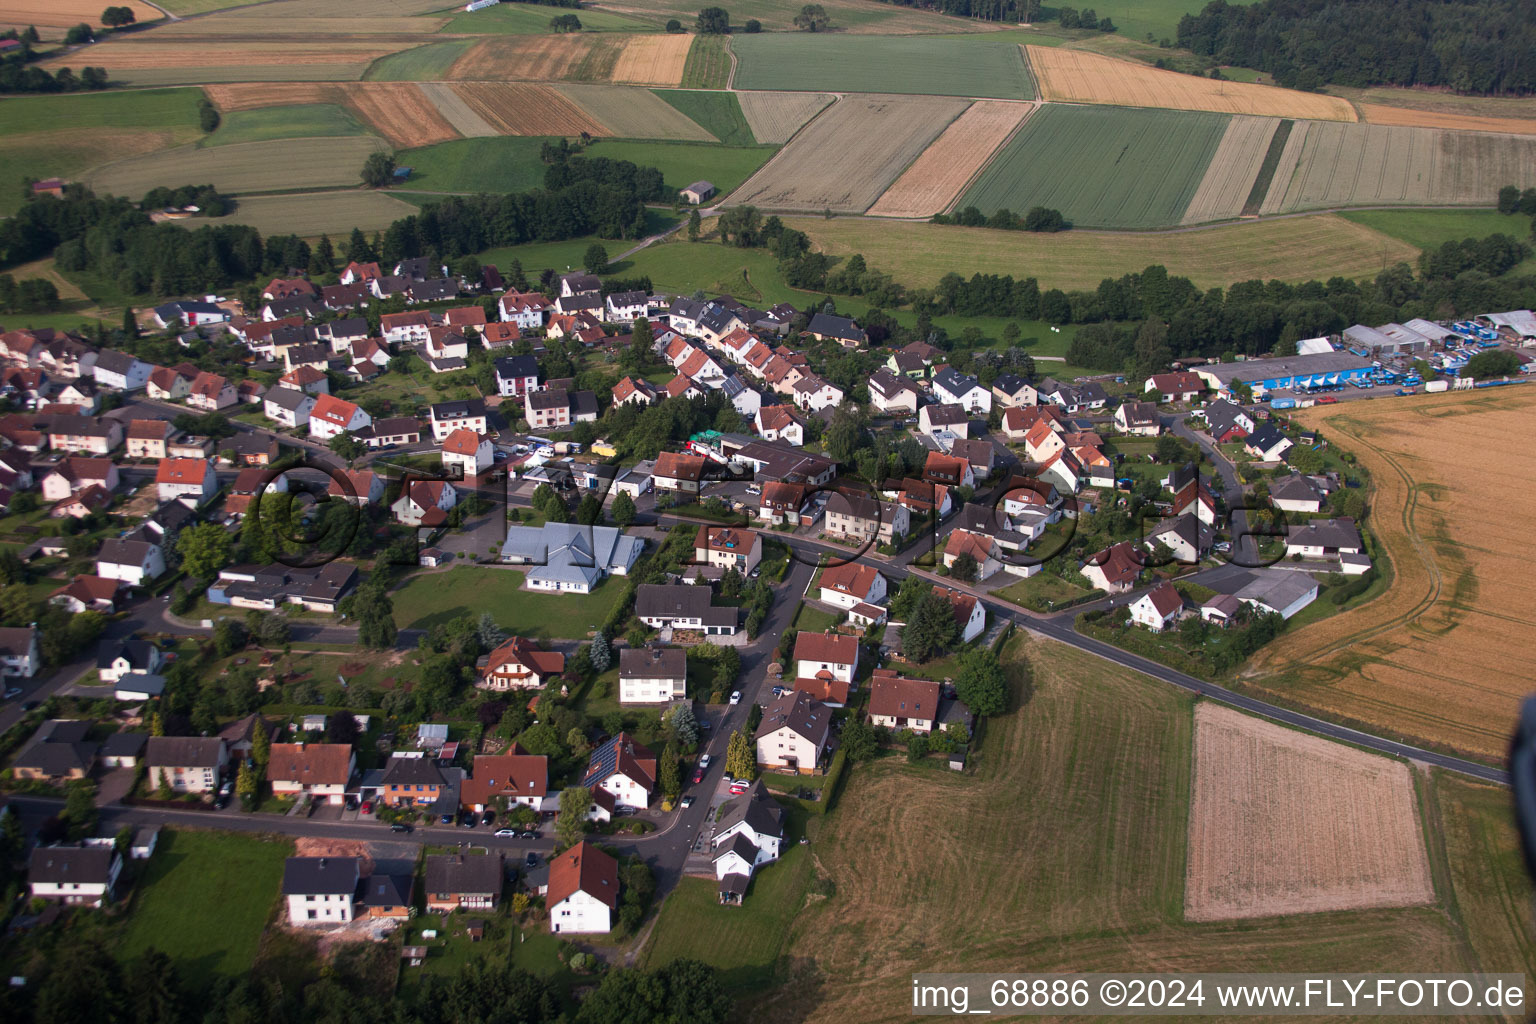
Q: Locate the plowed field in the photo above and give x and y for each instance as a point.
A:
(399, 111)
(936, 178)
(583, 57)
(518, 108)
(653, 59)
(65, 13)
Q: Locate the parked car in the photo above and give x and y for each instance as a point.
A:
(698, 776)
(687, 802)
(468, 820)
(367, 807)
(508, 833)
(28, 705)
(1327, 400)
(527, 833)
(12, 691)
(704, 761)
(399, 827)
(532, 860)
(487, 817)
(739, 787)
(735, 696)
(446, 819)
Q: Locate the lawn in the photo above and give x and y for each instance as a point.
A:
(814, 620)
(428, 599)
(496, 164)
(972, 66)
(1041, 592)
(568, 255)
(204, 900)
(302, 120)
(718, 113)
(682, 163)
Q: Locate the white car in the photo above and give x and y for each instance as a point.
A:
(704, 761)
(545, 451)
(507, 832)
(735, 696)
(13, 691)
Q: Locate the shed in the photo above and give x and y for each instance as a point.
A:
(413, 955)
(698, 192)
(474, 927)
(139, 686)
(957, 761)
(144, 843)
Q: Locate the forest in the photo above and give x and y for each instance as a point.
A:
(1481, 47)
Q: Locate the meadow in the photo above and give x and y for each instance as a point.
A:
(973, 66)
(427, 63)
(682, 163)
(533, 20)
(718, 113)
(1445, 655)
(1102, 167)
(299, 121)
(494, 164)
(1430, 229)
(848, 16)
(242, 167)
(316, 213)
(428, 599)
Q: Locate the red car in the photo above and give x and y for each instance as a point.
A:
(1327, 400)
(367, 806)
(698, 776)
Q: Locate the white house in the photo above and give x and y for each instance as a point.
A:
(320, 890)
(852, 584)
(190, 479)
(951, 387)
(898, 703)
(728, 548)
(331, 416)
(652, 675)
(425, 503)
(133, 655)
(748, 834)
(470, 451)
(889, 392)
(624, 768)
(831, 653)
(1139, 419)
(76, 875)
(134, 562)
(121, 371)
(625, 307)
(468, 414)
(1158, 608)
(1324, 538)
(583, 891)
(815, 394)
(793, 733)
(18, 652)
(288, 407)
(525, 309)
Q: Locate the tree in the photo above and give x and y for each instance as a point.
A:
(981, 684)
(753, 26)
(683, 990)
(600, 654)
(246, 784)
(348, 447)
(727, 668)
(812, 18)
(130, 324)
(488, 633)
(930, 630)
(374, 613)
(80, 808)
(117, 17)
(624, 510)
(1496, 363)
(1152, 353)
(78, 36)
(860, 742)
(674, 26)
(590, 511)
(741, 757)
(1509, 199)
(668, 777)
(695, 225)
(595, 259)
(378, 169)
(917, 748)
(713, 21)
(565, 23)
(261, 746)
(964, 568)
(229, 636)
(684, 725)
(572, 822)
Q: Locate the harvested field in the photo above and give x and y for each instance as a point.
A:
(1445, 655)
(653, 59)
(1282, 822)
(343, 72)
(633, 113)
(245, 167)
(849, 155)
(1233, 170)
(1077, 76)
(1105, 167)
(1328, 165)
(1519, 108)
(400, 112)
(936, 178)
(848, 16)
(131, 55)
(834, 62)
(457, 112)
(1376, 113)
(1291, 249)
(371, 9)
(578, 57)
(775, 116)
(516, 108)
(260, 22)
(64, 13)
(229, 96)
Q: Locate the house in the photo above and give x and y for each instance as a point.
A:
(980, 454)
(948, 470)
(306, 378)
(780, 423)
(851, 584)
(87, 594)
(360, 273)
(73, 875)
(134, 562)
(211, 392)
(652, 675)
(516, 376)
(289, 407)
(411, 781)
(623, 768)
(132, 654)
(1013, 392)
(467, 414)
(457, 881)
(340, 297)
(859, 518)
(634, 390)
(504, 781)
(749, 832)
(266, 587)
(189, 313)
(387, 896)
(18, 651)
(62, 752)
(697, 193)
(319, 771)
(570, 557)
(1267, 443)
(890, 393)
(1324, 538)
(1279, 591)
(91, 434)
(524, 309)
(122, 749)
(446, 349)
(425, 503)
(1193, 497)
(556, 408)
(469, 451)
(1139, 419)
(146, 439)
(813, 393)
(321, 890)
(167, 384)
(583, 893)
(520, 664)
(793, 732)
(188, 764)
(897, 703)
(952, 419)
(331, 416)
(781, 502)
(625, 307)
(1158, 608)
(1174, 387)
(120, 370)
(919, 496)
(1227, 421)
(951, 387)
(1187, 538)
(1297, 493)
(970, 616)
(192, 480)
(1073, 398)
(1115, 568)
(678, 472)
(240, 735)
(982, 548)
(832, 656)
(728, 547)
(73, 474)
(413, 328)
(82, 503)
(681, 606)
(841, 329)
(1018, 422)
(745, 400)
(244, 450)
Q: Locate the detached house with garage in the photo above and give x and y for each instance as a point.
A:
(1139, 419)
(425, 503)
(320, 771)
(411, 781)
(851, 584)
(624, 768)
(890, 393)
(1324, 538)
(677, 472)
(288, 407)
(951, 387)
(1227, 421)
(134, 562)
(682, 606)
(652, 675)
(121, 371)
(331, 416)
(826, 664)
(1115, 568)
(73, 875)
(583, 892)
(728, 547)
(457, 881)
(189, 480)
(515, 779)
(749, 833)
(520, 664)
(467, 414)
(1158, 608)
(1165, 388)
(897, 703)
(1267, 443)
(189, 764)
(516, 376)
(794, 731)
(321, 890)
(471, 452)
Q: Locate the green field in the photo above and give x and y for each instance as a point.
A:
(300, 121)
(429, 63)
(428, 599)
(709, 63)
(924, 65)
(1136, 19)
(499, 163)
(204, 900)
(533, 20)
(1041, 591)
(1430, 229)
(682, 163)
(567, 255)
(316, 213)
(140, 108)
(719, 113)
(243, 167)
(1103, 167)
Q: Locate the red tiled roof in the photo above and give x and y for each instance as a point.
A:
(824, 688)
(833, 648)
(523, 652)
(675, 466)
(462, 442)
(516, 774)
(963, 542)
(896, 697)
(585, 868)
(181, 471)
(315, 764)
(333, 410)
(850, 578)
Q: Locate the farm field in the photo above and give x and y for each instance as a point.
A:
(527, 19)
(1430, 229)
(500, 163)
(453, 108)
(144, 61)
(1326, 165)
(1103, 167)
(299, 121)
(65, 13)
(244, 167)
(401, 112)
(1445, 655)
(632, 113)
(709, 63)
(1136, 19)
(316, 213)
(1233, 170)
(1376, 113)
(1283, 822)
(908, 849)
(261, 24)
(775, 116)
(849, 155)
(513, 108)
(427, 63)
(937, 176)
(1077, 76)
(822, 62)
(682, 163)
(427, 599)
(577, 57)
(1512, 107)
(848, 16)
(652, 59)
(1294, 249)
(150, 108)
(718, 113)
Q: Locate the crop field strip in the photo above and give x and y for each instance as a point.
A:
(246, 167)
(633, 113)
(233, 25)
(46, 14)
(895, 65)
(429, 62)
(844, 159)
(1283, 822)
(653, 60)
(775, 116)
(317, 213)
(1446, 654)
(1233, 170)
(1329, 165)
(521, 108)
(938, 175)
(849, 17)
(1078, 76)
(1376, 113)
(709, 63)
(1105, 167)
(646, 59)
(291, 9)
(400, 111)
(175, 62)
(451, 104)
(1272, 157)
(717, 112)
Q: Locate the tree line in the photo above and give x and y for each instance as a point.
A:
(1469, 46)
